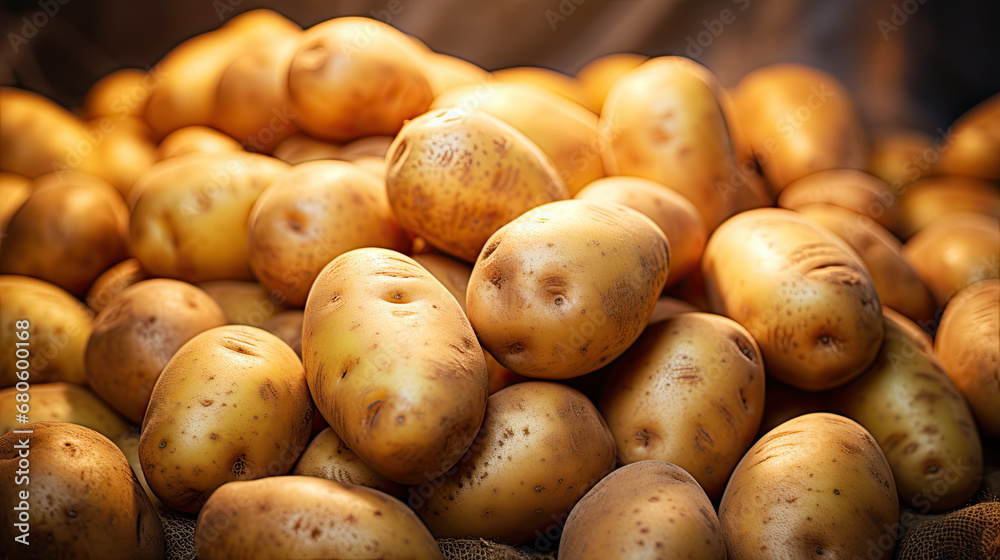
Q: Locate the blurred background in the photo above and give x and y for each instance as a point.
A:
(914, 63)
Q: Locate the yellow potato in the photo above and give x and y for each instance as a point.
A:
(815, 486)
(232, 404)
(973, 143)
(127, 150)
(803, 294)
(189, 214)
(556, 82)
(649, 509)
(64, 402)
(667, 307)
(353, 77)
(299, 148)
(197, 139)
(850, 189)
(307, 517)
(541, 448)
(445, 72)
(752, 190)
(663, 121)
(675, 215)
(14, 191)
(112, 282)
(315, 212)
(967, 345)
(380, 334)
(367, 147)
(690, 390)
(287, 325)
(454, 177)
(901, 156)
(121, 94)
(245, 303)
(327, 457)
(567, 287)
(930, 199)
(597, 77)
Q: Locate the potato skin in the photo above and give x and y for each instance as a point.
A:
(112, 282)
(84, 500)
(897, 156)
(850, 189)
(975, 141)
(967, 345)
(802, 293)
(232, 404)
(122, 93)
(308, 517)
(815, 485)
(927, 200)
(567, 287)
(65, 402)
(197, 139)
(244, 302)
(541, 447)
(134, 337)
(327, 457)
(691, 390)
(597, 77)
(287, 325)
(454, 177)
(644, 509)
(14, 191)
(380, 334)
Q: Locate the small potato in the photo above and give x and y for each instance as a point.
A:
(967, 345)
(127, 150)
(342, 87)
(287, 325)
(663, 121)
(541, 448)
(197, 139)
(674, 214)
(927, 200)
(112, 282)
(137, 333)
(121, 94)
(690, 390)
(597, 77)
(900, 156)
(455, 177)
(445, 72)
(667, 307)
(64, 402)
(189, 214)
(919, 419)
(327, 457)
(56, 334)
(380, 334)
(315, 212)
(14, 191)
(803, 294)
(815, 486)
(79, 494)
(232, 404)
(850, 189)
(649, 509)
(955, 251)
(556, 82)
(307, 517)
(244, 303)
(567, 287)
(299, 148)
(974, 141)
(72, 228)
(367, 147)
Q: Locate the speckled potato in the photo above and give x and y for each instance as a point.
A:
(308, 517)
(137, 333)
(380, 334)
(690, 390)
(901, 156)
(541, 448)
(244, 302)
(545, 78)
(649, 509)
(815, 486)
(597, 77)
(663, 121)
(72, 228)
(968, 345)
(189, 214)
(675, 215)
(567, 287)
(121, 94)
(955, 251)
(454, 177)
(56, 337)
(327, 457)
(79, 494)
(197, 139)
(850, 189)
(974, 142)
(232, 404)
(927, 200)
(897, 284)
(112, 282)
(314, 213)
(287, 325)
(919, 419)
(64, 402)
(803, 294)
(799, 120)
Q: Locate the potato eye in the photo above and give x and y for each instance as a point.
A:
(559, 300)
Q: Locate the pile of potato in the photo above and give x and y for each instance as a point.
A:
(355, 295)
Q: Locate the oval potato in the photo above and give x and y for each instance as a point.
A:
(598, 75)
(244, 302)
(65, 402)
(545, 78)
(930, 199)
(112, 282)
(327, 457)
(974, 141)
(122, 93)
(900, 156)
(850, 189)
(197, 139)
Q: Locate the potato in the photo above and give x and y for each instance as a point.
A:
(71, 229)
(454, 177)
(189, 214)
(967, 346)
(675, 215)
(317, 211)
(803, 294)
(541, 448)
(850, 189)
(112, 282)
(597, 77)
(364, 148)
(14, 191)
(327, 457)
(663, 121)
(651, 509)
(64, 402)
(897, 284)
(565, 131)
(553, 81)
(567, 287)
(307, 517)
(690, 390)
(919, 419)
(56, 335)
(930, 199)
(445, 72)
(197, 139)
(974, 141)
(955, 251)
(354, 77)
(785, 402)
(380, 333)
(127, 150)
(287, 325)
(121, 94)
(299, 148)
(817, 485)
(901, 156)
(799, 120)
(667, 307)
(77, 496)
(244, 303)
(137, 333)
